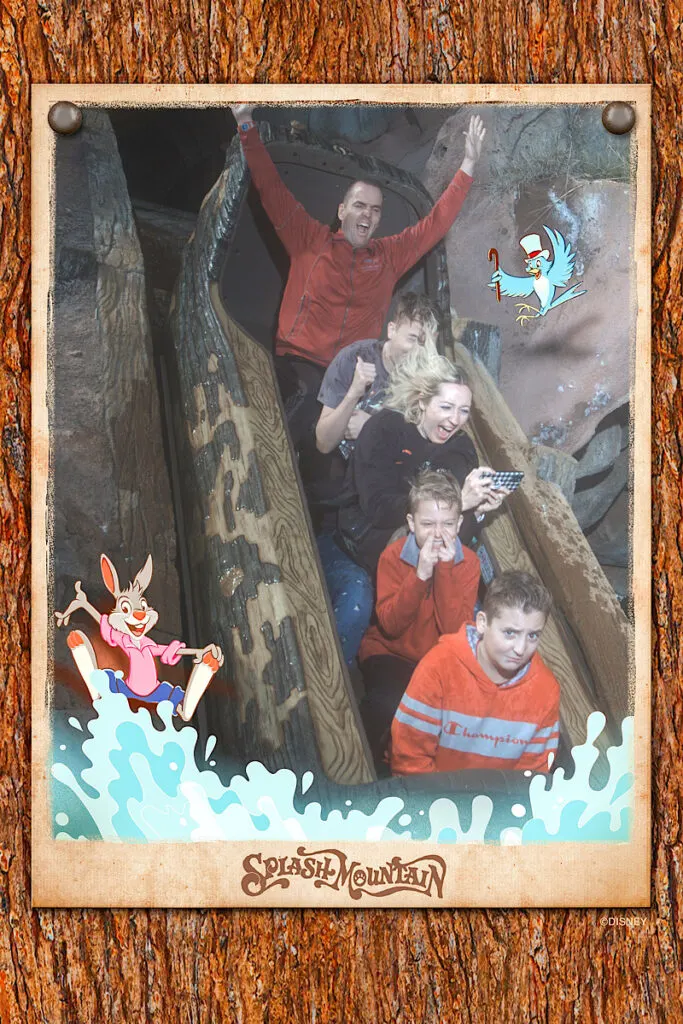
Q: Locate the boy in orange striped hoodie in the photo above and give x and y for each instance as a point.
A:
(426, 586)
(483, 698)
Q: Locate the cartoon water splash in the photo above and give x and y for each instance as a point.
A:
(571, 808)
(123, 778)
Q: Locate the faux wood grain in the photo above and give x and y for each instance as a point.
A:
(342, 966)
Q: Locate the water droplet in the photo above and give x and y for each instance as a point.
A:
(306, 781)
(511, 837)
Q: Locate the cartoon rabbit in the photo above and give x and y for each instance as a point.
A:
(127, 627)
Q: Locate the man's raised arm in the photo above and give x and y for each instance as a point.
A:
(294, 226)
(406, 248)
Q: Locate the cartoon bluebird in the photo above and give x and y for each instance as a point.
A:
(545, 275)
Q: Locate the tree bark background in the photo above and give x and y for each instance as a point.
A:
(296, 965)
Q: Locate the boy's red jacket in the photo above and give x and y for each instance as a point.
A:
(412, 613)
(336, 294)
(452, 716)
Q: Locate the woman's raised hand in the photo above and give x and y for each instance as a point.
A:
(479, 494)
(477, 488)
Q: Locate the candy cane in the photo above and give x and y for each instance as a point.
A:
(493, 255)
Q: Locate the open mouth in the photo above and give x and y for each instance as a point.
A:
(137, 630)
(443, 433)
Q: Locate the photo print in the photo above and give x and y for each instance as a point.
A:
(341, 496)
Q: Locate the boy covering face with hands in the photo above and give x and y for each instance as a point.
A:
(426, 586)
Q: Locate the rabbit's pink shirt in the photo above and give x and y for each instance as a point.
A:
(142, 676)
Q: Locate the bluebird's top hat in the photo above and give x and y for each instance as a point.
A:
(532, 247)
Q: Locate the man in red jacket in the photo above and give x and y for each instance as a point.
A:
(483, 698)
(339, 284)
(426, 586)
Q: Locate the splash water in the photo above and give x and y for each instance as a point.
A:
(121, 777)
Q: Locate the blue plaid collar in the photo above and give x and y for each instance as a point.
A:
(473, 640)
(410, 552)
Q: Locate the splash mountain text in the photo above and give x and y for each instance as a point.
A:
(333, 869)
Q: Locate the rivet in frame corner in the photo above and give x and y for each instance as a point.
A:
(65, 118)
(618, 117)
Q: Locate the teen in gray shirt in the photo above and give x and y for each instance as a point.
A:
(354, 385)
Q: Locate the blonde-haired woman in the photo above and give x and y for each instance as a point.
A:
(421, 427)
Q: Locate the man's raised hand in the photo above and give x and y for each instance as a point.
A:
(242, 111)
(474, 138)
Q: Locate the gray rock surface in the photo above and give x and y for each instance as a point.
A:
(163, 233)
(590, 506)
(556, 466)
(353, 124)
(601, 452)
(609, 539)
